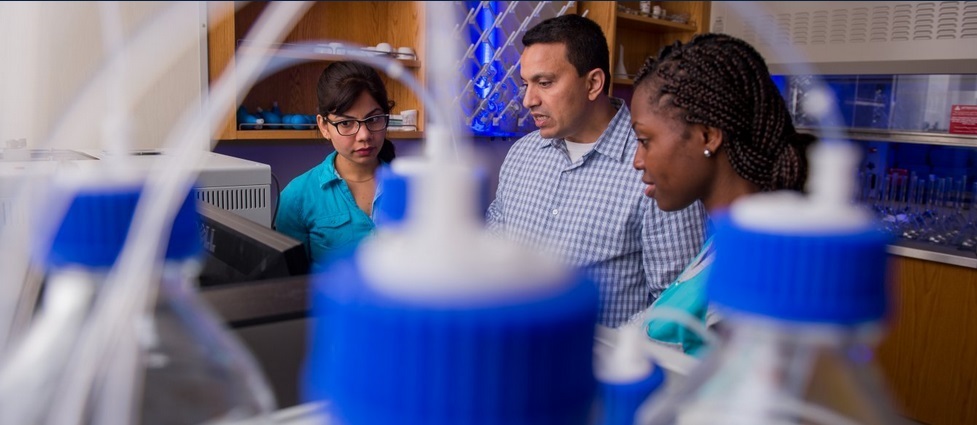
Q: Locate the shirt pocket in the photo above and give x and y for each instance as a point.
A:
(331, 231)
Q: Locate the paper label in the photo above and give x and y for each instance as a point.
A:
(963, 119)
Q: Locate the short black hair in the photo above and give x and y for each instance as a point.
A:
(584, 39)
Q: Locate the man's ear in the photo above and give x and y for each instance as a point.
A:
(596, 83)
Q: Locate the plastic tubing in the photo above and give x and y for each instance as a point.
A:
(166, 189)
(150, 48)
(127, 286)
(115, 123)
(831, 125)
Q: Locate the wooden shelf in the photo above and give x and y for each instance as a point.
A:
(627, 20)
(293, 86)
(309, 53)
(312, 134)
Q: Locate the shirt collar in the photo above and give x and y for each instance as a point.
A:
(611, 143)
(328, 174)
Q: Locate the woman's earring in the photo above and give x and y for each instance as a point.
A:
(708, 153)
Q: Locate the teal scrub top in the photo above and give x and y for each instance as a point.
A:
(318, 209)
(688, 294)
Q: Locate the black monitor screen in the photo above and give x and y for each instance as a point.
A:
(240, 250)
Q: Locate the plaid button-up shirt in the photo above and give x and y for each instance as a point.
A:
(593, 214)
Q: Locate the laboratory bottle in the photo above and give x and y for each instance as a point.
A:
(196, 371)
(437, 321)
(800, 282)
(626, 377)
(88, 224)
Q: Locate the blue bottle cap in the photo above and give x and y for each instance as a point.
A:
(620, 402)
(382, 360)
(831, 277)
(94, 229)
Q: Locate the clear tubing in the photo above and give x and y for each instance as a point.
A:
(300, 52)
(150, 49)
(67, 302)
(115, 123)
(442, 53)
(125, 293)
(824, 106)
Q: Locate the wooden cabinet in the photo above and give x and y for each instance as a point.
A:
(642, 36)
(929, 356)
(399, 23)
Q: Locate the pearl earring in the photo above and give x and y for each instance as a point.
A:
(708, 153)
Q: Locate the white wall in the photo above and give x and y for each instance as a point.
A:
(50, 51)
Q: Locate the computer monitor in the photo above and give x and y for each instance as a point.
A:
(240, 250)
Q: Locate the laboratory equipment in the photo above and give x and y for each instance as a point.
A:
(626, 377)
(187, 350)
(234, 184)
(82, 248)
(240, 250)
(191, 360)
(801, 284)
(493, 333)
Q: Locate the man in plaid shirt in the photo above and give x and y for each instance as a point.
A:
(570, 187)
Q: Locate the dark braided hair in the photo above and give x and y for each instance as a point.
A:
(722, 82)
(341, 83)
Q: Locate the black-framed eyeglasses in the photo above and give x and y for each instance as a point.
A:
(351, 126)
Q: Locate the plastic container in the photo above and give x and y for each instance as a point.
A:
(626, 377)
(82, 250)
(801, 284)
(436, 321)
(192, 370)
(196, 371)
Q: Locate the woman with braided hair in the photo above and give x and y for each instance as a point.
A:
(711, 127)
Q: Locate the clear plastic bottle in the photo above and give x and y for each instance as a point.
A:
(626, 376)
(801, 283)
(85, 241)
(196, 371)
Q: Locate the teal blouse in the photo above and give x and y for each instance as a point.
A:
(688, 294)
(318, 209)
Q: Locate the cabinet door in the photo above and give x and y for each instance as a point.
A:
(399, 24)
(929, 356)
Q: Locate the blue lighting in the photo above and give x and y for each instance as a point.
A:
(486, 72)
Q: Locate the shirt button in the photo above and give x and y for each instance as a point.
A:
(556, 211)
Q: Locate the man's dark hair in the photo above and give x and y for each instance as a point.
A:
(583, 38)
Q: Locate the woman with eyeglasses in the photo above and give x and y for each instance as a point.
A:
(331, 206)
